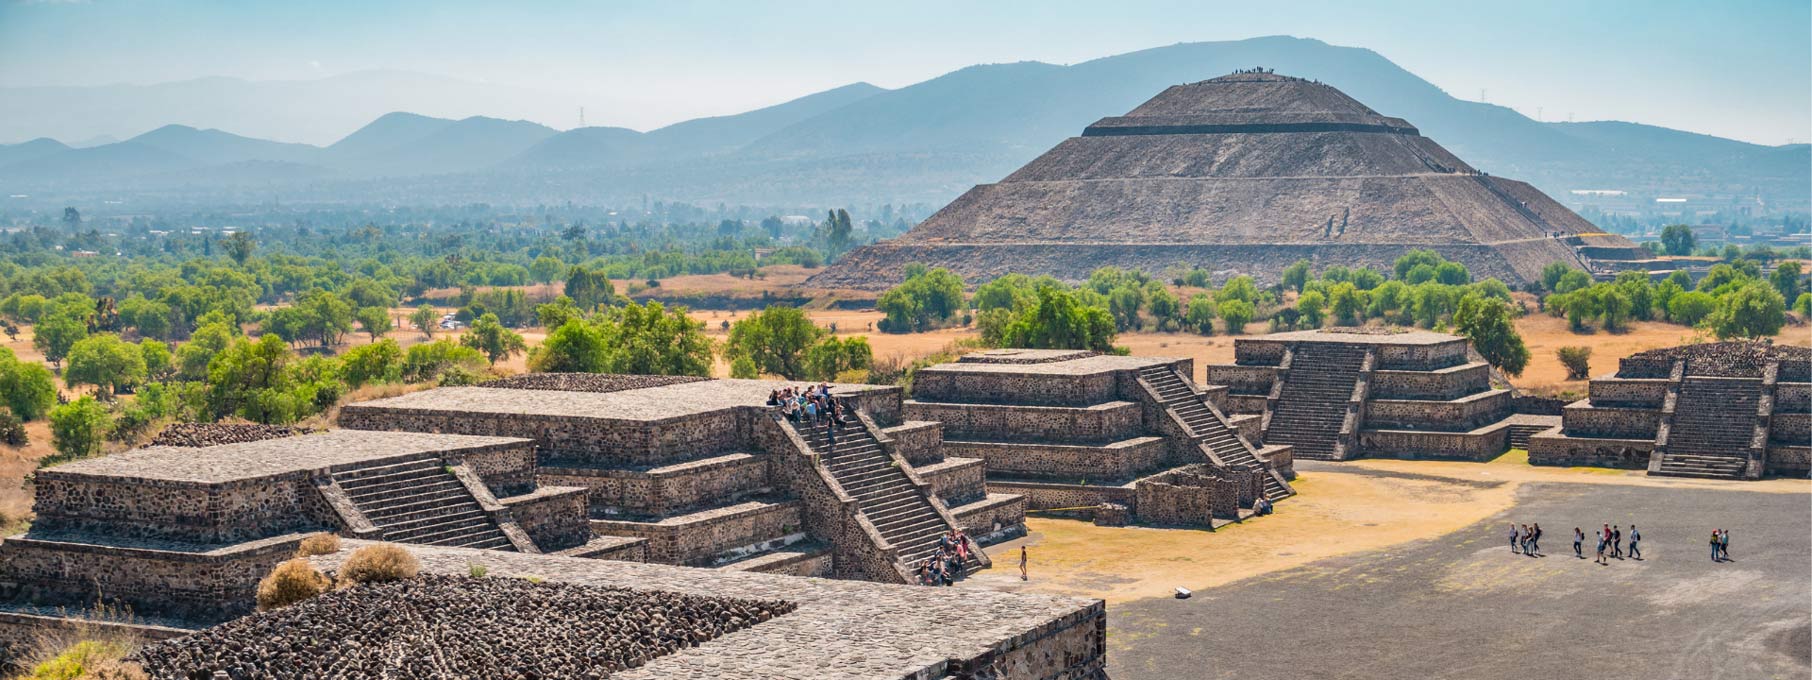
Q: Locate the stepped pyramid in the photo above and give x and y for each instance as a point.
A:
(1244, 174)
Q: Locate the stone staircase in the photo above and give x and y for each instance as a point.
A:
(418, 500)
(1209, 427)
(1311, 407)
(896, 507)
(1712, 428)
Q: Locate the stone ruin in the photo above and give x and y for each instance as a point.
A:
(1080, 433)
(1244, 174)
(569, 475)
(1338, 394)
(1727, 410)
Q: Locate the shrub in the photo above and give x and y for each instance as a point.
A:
(88, 660)
(78, 428)
(377, 564)
(476, 570)
(1578, 361)
(291, 582)
(319, 544)
(12, 432)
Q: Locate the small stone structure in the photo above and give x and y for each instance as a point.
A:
(1075, 431)
(702, 473)
(1337, 394)
(1729, 410)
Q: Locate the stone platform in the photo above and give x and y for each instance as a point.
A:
(841, 629)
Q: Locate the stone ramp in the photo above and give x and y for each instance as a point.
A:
(1209, 427)
(420, 500)
(1311, 407)
(1712, 429)
(900, 510)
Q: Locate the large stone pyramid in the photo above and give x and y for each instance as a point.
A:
(1242, 174)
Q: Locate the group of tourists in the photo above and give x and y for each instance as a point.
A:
(942, 567)
(1610, 543)
(811, 405)
(1525, 540)
(1720, 545)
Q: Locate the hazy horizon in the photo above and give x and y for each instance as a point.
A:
(1742, 74)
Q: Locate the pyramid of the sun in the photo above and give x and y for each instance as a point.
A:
(1243, 174)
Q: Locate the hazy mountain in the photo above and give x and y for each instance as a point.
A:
(312, 111)
(32, 150)
(721, 134)
(927, 142)
(213, 147)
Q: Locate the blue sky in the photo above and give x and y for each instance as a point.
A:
(1736, 69)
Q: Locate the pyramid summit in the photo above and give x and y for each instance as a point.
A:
(1243, 174)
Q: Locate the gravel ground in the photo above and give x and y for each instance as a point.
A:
(458, 627)
(1463, 606)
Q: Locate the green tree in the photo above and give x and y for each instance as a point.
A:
(589, 289)
(1165, 308)
(1296, 275)
(424, 319)
(1753, 310)
(926, 299)
(776, 339)
(1551, 275)
(1413, 259)
(239, 246)
(1691, 307)
(827, 359)
(158, 361)
(1123, 302)
(1489, 324)
(492, 339)
(209, 340)
(1201, 314)
(1573, 280)
(1614, 307)
(440, 360)
(653, 339)
(1786, 279)
(1452, 274)
(1803, 304)
(1236, 314)
(375, 321)
(26, 387)
(329, 317)
(1313, 307)
(1641, 293)
(1238, 288)
(1347, 303)
(78, 428)
(149, 317)
(56, 333)
(575, 347)
(546, 268)
(1058, 319)
(1677, 239)
(248, 379)
(744, 368)
(378, 362)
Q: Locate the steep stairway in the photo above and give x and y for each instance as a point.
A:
(1712, 427)
(418, 500)
(1208, 427)
(902, 513)
(1312, 406)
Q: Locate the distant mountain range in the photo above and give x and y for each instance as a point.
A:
(863, 145)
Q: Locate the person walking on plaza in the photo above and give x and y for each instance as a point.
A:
(1635, 539)
(1714, 546)
(1602, 539)
(1724, 544)
(1535, 539)
(1578, 543)
(1515, 539)
(1617, 542)
(1022, 563)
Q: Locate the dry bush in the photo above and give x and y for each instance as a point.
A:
(378, 563)
(291, 582)
(319, 544)
(1578, 361)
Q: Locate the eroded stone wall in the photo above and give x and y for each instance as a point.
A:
(1120, 461)
(133, 509)
(554, 518)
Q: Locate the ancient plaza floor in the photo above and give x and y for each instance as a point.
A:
(1402, 569)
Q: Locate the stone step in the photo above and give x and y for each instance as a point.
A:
(468, 534)
(356, 474)
(392, 498)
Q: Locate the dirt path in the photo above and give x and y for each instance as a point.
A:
(1342, 508)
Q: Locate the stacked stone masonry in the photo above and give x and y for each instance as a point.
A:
(1344, 393)
(1731, 410)
(1073, 431)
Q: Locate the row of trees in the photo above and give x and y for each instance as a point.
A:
(1731, 301)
